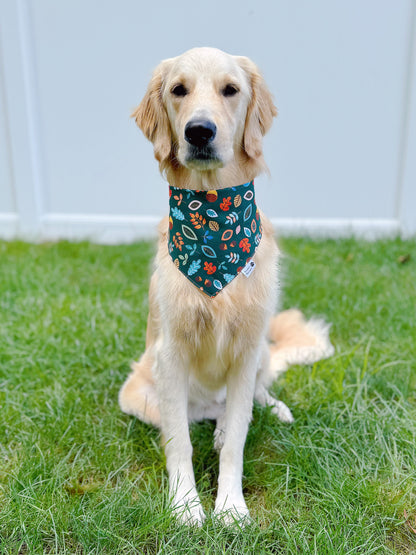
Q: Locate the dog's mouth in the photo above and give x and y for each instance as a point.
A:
(203, 157)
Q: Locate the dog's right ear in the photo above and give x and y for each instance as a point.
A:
(151, 115)
(260, 112)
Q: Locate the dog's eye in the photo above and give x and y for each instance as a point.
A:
(179, 90)
(229, 90)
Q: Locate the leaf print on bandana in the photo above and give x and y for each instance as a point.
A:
(184, 258)
(189, 233)
(177, 240)
(237, 201)
(207, 237)
(194, 267)
(233, 257)
(226, 203)
(210, 245)
(247, 212)
(176, 213)
(197, 220)
(244, 245)
(226, 236)
(194, 205)
(208, 251)
(231, 218)
(209, 268)
(178, 198)
(191, 248)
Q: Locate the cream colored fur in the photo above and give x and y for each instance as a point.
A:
(210, 357)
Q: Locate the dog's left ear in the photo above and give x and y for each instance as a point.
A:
(261, 109)
(151, 115)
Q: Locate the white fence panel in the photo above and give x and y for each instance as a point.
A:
(341, 153)
(7, 203)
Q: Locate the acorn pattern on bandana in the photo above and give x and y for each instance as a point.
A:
(213, 234)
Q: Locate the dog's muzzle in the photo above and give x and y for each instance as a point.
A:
(200, 135)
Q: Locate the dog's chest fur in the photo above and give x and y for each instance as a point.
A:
(214, 338)
(212, 335)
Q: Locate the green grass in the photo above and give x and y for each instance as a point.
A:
(78, 476)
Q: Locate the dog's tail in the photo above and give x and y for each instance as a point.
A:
(293, 340)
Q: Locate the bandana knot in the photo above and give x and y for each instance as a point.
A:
(213, 234)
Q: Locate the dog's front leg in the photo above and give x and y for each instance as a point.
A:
(172, 387)
(230, 505)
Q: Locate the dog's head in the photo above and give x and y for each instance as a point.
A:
(203, 107)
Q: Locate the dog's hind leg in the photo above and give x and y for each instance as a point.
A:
(138, 394)
(282, 411)
(263, 381)
(219, 432)
(294, 340)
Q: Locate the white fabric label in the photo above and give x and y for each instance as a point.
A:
(248, 268)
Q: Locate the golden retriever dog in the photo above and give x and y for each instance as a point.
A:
(209, 356)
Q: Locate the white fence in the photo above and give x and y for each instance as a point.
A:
(342, 153)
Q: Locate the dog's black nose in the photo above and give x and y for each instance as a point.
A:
(200, 132)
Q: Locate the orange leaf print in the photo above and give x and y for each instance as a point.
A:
(197, 220)
(226, 203)
(178, 198)
(177, 240)
(244, 245)
(209, 268)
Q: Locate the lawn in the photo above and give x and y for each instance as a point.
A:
(79, 476)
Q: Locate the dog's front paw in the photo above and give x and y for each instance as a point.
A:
(189, 512)
(232, 512)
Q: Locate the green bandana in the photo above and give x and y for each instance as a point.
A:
(213, 234)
